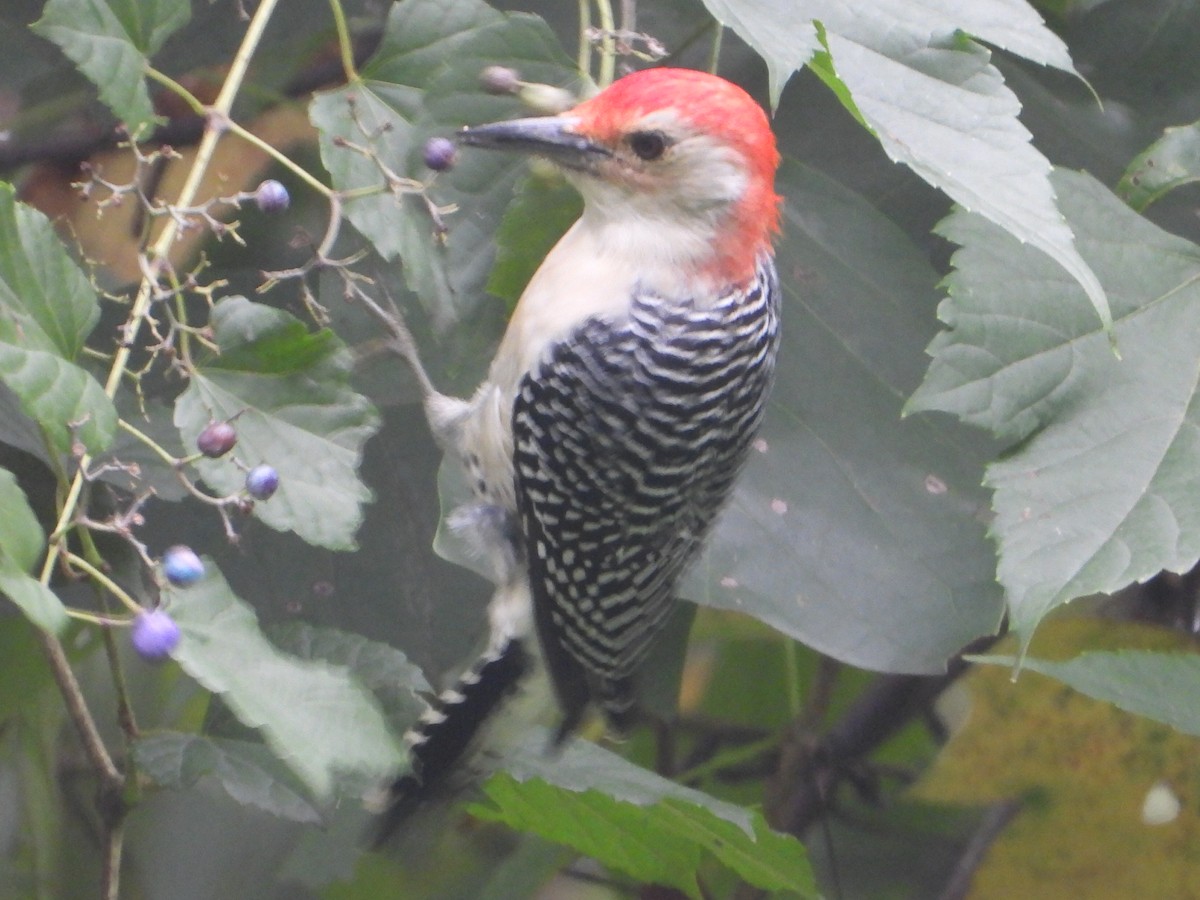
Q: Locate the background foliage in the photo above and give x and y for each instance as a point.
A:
(983, 412)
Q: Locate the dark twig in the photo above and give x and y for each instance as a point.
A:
(811, 768)
(995, 820)
(93, 744)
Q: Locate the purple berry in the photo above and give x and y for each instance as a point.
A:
(440, 153)
(182, 566)
(217, 439)
(272, 197)
(154, 635)
(262, 481)
(500, 80)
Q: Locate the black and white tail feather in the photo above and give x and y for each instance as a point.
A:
(450, 727)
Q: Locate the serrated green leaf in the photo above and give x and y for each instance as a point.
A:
(1159, 686)
(664, 842)
(944, 111)
(1169, 163)
(47, 310)
(289, 391)
(315, 716)
(21, 544)
(111, 42)
(846, 513)
(787, 43)
(247, 772)
(378, 110)
(582, 765)
(380, 668)
(1101, 491)
(21, 537)
(37, 601)
(427, 69)
(933, 99)
(784, 42)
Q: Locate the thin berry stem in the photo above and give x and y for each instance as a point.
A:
(176, 88)
(125, 714)
(276, 154)
(107, 622)
(154, 446)
(584, 60)
(345, 45)
(714, 55)
(104, 581)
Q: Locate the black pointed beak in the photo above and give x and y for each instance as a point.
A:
(550, 136)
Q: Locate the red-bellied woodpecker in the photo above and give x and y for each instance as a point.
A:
(624, 395)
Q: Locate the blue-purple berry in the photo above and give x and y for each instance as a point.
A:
(440, 153)
(262, 481)
(217, 439)
(182, 566)
(154, 635)
(272, 197)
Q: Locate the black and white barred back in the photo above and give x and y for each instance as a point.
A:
(628, 439)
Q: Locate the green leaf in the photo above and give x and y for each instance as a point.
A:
(47, 310)
(1101, 490)
(247, 772)
(433, 47)
(933, 99)
(380, 668)
(315, 716)
(848, 514)
(378, 111)
(289, 391)
(1159, 686)
(539, 215)
(582, 765)
(1169, 163)
(787, 43)
(111, 42)
(21, 544)
(784, 42)
(944, 111)
(662, 842)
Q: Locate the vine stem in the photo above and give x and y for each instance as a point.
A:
(585, 46)
(714, 56)
(298, 170)
(608, 49)
(104, 581)
(176, 88)
(218, 116)
(93, 743)
(344, 42)
(112, 779)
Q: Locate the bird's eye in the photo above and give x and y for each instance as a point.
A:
(648, 145)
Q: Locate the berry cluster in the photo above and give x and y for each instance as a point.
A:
(217, 439)
(155, 634)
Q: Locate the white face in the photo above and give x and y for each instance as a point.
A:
(662, 196)
(662, 168)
